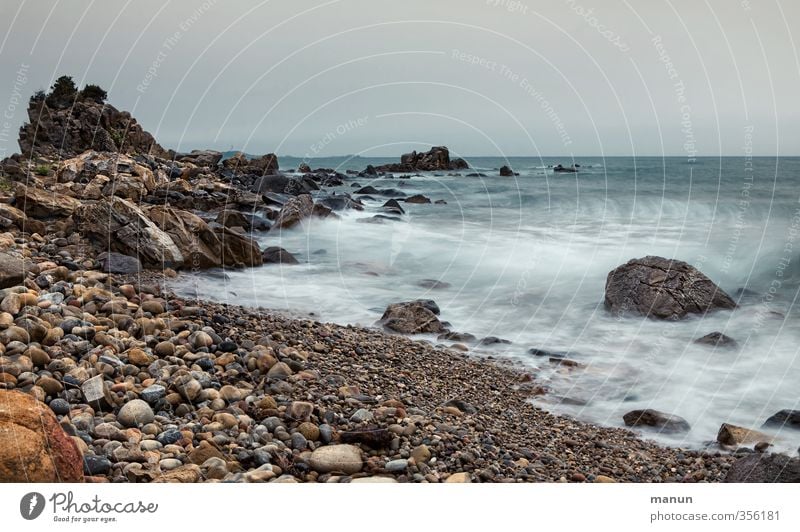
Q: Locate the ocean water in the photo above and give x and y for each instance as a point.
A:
(526, 259)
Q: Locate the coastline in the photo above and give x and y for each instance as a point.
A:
(505, 439)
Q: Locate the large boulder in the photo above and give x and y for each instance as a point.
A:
(116, 224)
(294, 211)
(784, 418)
(412, 317)
(662, 288)
(33, 446)
(44, 204)
(198, 244)
(238, 250)
(762, 468)
(278, 255)
(205, 246)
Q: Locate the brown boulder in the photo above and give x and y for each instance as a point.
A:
(238, 250)
(118, 225)
(734, 435)
(295, 210)
(411, 317)
(33, 446)
(198, 244)
(40, 203)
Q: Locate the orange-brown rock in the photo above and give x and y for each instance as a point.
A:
(33, 446)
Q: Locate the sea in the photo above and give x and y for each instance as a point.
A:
(525, 259)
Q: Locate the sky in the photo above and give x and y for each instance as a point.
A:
(381, 77)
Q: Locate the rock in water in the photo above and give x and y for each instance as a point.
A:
(294, 211)
(344, 458)
(654, 418)
(662, 288)
(505, 171)
(33, 446)
(733, 435)
(764, 468)
(411, 317)
(784, 418)
(717, 339)
(277, 255)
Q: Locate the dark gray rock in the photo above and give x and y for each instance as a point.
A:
(654, 418)
(118, 263)
(278, 255)
(717, 339)
(784, 418)
(662, 288)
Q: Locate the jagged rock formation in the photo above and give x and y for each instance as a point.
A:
(56, 132)
(437, 158)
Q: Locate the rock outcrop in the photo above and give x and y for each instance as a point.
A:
(33, 446)
(662, 288)
(57, 132)
(437, 158)
(240, 163)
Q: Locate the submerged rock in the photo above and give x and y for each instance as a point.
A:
(717, 339)
(662, 288)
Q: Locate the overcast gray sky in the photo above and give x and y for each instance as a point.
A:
(555, 77)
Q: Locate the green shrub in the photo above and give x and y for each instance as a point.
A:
(42, 169)
(95, 93)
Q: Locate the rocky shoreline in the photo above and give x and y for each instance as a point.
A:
(157, 388)
(142, 385)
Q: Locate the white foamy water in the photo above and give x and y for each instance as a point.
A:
(526, 260)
